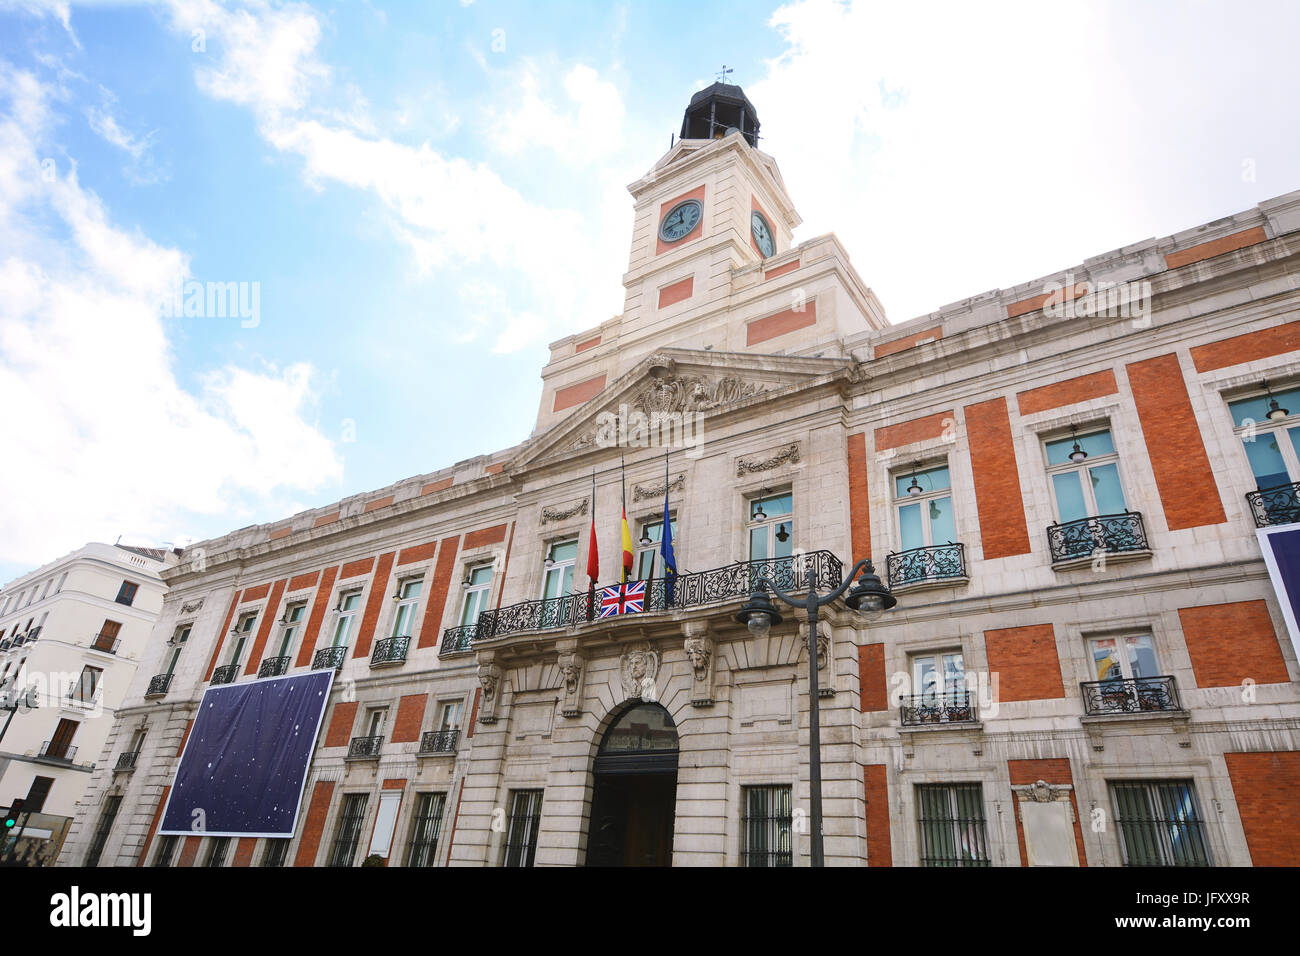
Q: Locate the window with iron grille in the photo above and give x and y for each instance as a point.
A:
(766, 826)
(422, 849)
(275, 853)
(217, 851)
(100, 836)
(349, 831)
(166, 850)
(953, 831)
(521, 835)
(1159, 823)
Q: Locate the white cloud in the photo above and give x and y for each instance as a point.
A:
(104, 124)
(588, 130)
(101, 436)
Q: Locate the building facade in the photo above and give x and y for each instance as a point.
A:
(73, 631)
(1059, 481)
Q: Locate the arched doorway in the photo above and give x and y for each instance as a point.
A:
(635, 794)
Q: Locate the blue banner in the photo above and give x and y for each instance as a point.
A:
(1281, 547)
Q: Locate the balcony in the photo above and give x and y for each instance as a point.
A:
(158, 685)
(365, 748)
(56, 752)
(329, 657)
(456, 640)
(954, 707)
(1277, 505)
(438, 742)
(19, 640)
(389, 651)
(108, 643)
(1134, 695)
(5, 645)
(225, 674)
(33, 634)
(274, 666)
(937, 564)
(1082, 540)
(126, 761)
(689, 590)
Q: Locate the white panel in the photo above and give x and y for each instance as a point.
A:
(385, 821)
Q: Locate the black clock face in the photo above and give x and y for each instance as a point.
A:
(762, 234)
(681, 220)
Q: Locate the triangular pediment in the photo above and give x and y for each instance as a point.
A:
(673, 382)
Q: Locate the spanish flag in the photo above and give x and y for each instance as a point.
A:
(627, 548)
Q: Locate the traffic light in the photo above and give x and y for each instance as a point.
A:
(15, 810)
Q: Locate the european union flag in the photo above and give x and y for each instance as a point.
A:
(666, 549)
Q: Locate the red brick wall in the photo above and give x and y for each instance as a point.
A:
(303, 580)
(573, 395)
(676, 292)
(378, 503)
(442, 574)
(772, 326)
(410, 716)
(153, 826)
(319, 605)
(442, 484)
(1215, 247)
(355, 569)
(998, 497)
(493, 535)
(189, 725)
(244, 851)
(189, 850)
(1056, 297)
(859, 508)
(1267, 789)
(589, 344)
(264, 629)
(1024, 658)
(780, 270)
(907, 341)
(473, 714)
(918, 429)
(1229, 643)
(225, 629)
(1070, 392)
(879, 847)
(1247, 347)
(257, 593)
(326, 519)
(339, 733)
(317, 811)
(873, 686)
(374, 604)
(1173, 439)
(1050, 770)
(418, 553)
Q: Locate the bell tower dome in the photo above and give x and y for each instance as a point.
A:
(717, 110)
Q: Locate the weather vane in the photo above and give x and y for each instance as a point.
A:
(722, 73)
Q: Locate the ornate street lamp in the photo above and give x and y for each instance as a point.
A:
(869, 597)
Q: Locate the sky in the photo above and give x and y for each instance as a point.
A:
(414, 199)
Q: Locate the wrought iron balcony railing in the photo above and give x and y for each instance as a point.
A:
(1131, 695)
(19, 640)
(365, 748)
(1277, 505)
(954, 707)
(391, 650)
(51, 750)
(456, 640)
(688, 590)
(158, 685)
(108, 643)
(274, 666)
(225, 674)
(1104, 534)
(328, 657)
(34, 633)
(938, 562)
(439, 741)
(5, 644)
(126, 760)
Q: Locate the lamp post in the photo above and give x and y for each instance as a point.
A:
(870, 597)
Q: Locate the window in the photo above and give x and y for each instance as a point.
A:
(137, 741)
(100, 836)
(106, 639)
(349, 830)
(952, 825)
(1272, 446)
(126, 593)
(46, 593)
(62, 739)
(166, 850)
(1159, 823)
(243, 631)
(449, 718)
(179, 637)
(923, 502)
(478, 585)
(521, 833)
(648, 559)
(561, 557)
(290, 623)
(62, 578)
(375, 719)
(83, 692)
(1089, 487)
(276, 852)
(348, 606)
(408, 602)
(771, 527)
(217, 851)
(1117, 658)
(422, 848)
(766, 826)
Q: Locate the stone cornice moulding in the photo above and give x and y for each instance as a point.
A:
(551, 513)
(775, 458)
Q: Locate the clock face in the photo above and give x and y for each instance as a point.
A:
(681, 220)
(762, 234)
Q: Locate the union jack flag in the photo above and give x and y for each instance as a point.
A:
(622, 599)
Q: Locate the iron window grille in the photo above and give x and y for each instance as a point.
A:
(225, 674)
(166, 850)
(158, 685)
(422, 848)
(390, 650)
(328, 657)
(521, 833)
(456, 640)
(1159, 823)
(439, 741)
(938, 562)
(953, 828)
(274, 667)
(217, 851)
(1130, 695)
(365, 748)
(126, 760)
(767, 826)
(955, 706)
(102, 830)
(1277, 505)
(1103, 534)
(277, 851)
(349, 829)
